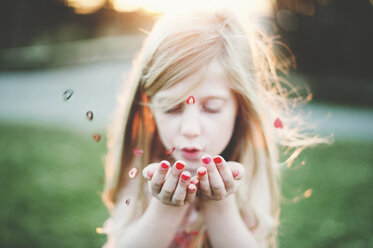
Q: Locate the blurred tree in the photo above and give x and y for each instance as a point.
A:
(337, 38)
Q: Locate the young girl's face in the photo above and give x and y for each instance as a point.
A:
(204, 127)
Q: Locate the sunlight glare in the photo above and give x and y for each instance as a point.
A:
(256, 7)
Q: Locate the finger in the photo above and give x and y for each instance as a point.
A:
(194, 180)
(178, 197)
(148, 171)
(204, 183)
(191, 195)
(225, 173)
(216, 182)
(172, 179)
(158, 177)
(238, 171)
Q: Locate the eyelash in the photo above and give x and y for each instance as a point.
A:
(177, 109)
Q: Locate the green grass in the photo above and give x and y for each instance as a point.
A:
(50, 179)
(339, 212)
(49, 183)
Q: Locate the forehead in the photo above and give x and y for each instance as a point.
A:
(210, 81)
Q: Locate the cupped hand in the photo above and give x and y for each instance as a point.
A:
(218, 178)
(171, 185)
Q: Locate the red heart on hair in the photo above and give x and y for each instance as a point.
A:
(133, 172)
(138, 152)
(278, 123)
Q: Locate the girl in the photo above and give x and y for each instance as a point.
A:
(199, 112)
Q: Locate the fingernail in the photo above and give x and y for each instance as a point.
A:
(165, 165)
(194, 180)
(235, 172)
(206, 160)
(185, 176)
(150, 173)
(180, 165)
(218, 160)
(192, 187)
(201, 171)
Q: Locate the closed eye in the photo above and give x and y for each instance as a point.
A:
(176, 109)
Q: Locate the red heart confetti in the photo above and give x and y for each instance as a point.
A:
(278, 123)
(89, 115)
(169, 152)
(138, 152)
(190, 100)
(133, 172)
(128, 201)
(195, 232)
(96, 137)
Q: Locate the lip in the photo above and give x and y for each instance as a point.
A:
(191, 153)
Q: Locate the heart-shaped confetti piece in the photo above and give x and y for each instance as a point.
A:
(96, 137)
(169, 152)
(191, 100)
(278, 123)
(133, 172)
(138, 152)
(89, 115)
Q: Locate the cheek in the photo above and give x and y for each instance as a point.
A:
(166, 129)
(220, 136)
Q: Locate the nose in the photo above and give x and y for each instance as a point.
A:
(190, 122)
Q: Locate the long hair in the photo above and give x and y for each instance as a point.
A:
(181, 45)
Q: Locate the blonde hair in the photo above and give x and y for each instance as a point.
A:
(183, 44)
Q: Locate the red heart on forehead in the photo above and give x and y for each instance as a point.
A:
(138, 152)
(278, 123)
(133, 172)
(169, 152)
(96, 137)
(191, 100)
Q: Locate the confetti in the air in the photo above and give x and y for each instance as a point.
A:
(133, 172)
(89, 115)
(138, 151)
(169, 152)
(67, 94)
(307, 193)
(278, 123)
(99, 230)
(96, 137)
(190, 100)
(128, 201)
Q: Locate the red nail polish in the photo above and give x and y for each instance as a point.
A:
(206, 160)
(201, 172)
(185, 177)
(192, 187)
(218, 160)
(194, 180)
(180, 166)
(235, 172)
(164, 165)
